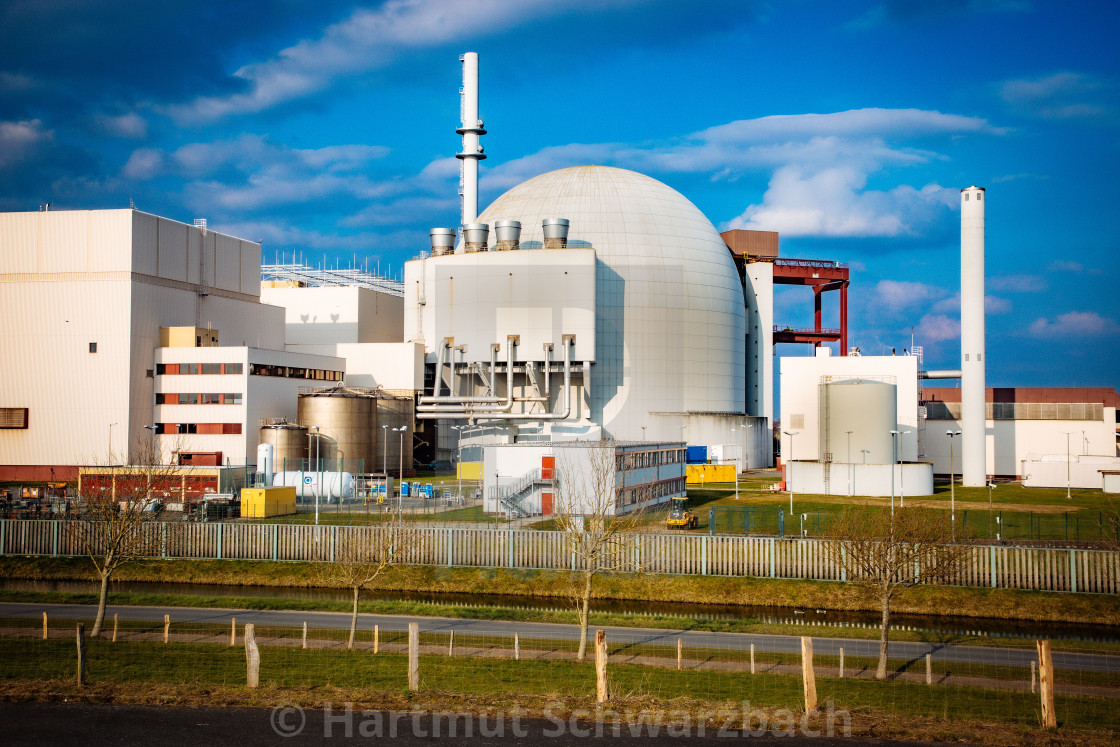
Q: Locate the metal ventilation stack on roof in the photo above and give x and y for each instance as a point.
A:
(508, 234)
(443, 241)
(475, 236)
(555, 233)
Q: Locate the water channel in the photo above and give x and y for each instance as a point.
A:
(936, 627)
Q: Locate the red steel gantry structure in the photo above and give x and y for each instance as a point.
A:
(822, 275)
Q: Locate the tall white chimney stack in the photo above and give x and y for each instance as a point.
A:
(973, 417)
(470, 130)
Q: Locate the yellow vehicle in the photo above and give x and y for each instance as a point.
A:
(679, 516)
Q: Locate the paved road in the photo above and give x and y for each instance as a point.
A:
(82, 724)
(944, 652)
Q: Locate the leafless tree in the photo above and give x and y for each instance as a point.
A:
(363, 554)
(118, 514)
(885, 555)
(598, 538)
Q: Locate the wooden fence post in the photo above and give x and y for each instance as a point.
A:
(752, 658)
(233, 631)
(166, 626)
(841, 663)
(81, 654)
(114, 627)
(44, 626)
(305, 634)
(252, 657)
(413, 657)
(808, 675)
(1046, 685)
(929, 670)
(376, 638)
(451, 643)
(601, 693)
(516, 647)
(678, 654)
(1034, 676)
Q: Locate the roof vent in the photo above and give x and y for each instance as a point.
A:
(508, 234)
(443, 241)
(555, 233)
(474, 237)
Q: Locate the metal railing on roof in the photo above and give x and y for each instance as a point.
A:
(315, 277)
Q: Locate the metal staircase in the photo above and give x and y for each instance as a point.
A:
(511, 496)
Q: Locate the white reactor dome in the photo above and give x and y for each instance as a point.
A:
(670, 315)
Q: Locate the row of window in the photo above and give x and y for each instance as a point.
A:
(291, 372)
(163, 369)
(194, 398)
(640, 494)
(213, 429)
(639, 459)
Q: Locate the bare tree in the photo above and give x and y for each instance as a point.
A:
(118, 510)
(597, 536)
(360, 556)
(884, 555)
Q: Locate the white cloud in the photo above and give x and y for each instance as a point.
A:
(1074, 324)
(367, 40)
(992, 304)
(870, 122)
(934, 328)
(143, 164)
(899, 295)
(1018, 283)
(129, 125)
(1066, 265)
(18, 139)
(1062, 95)
(833, 202)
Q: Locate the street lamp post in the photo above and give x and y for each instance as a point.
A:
(902, 480)
(1067, 464)
(953, 485)
(865, 452)
(111, 443)
(151, 442)
(400, 474)
(894, 464)
(789, 469)
(318, 475)
(850, 467)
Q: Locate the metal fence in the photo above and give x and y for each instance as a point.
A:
(1043, 569)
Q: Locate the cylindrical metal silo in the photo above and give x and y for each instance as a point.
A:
(345, 419)
(289, 444)
(869, 410)
(394, 413)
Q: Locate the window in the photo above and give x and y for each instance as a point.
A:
(966, 196)
(192, 368)
(14, 418)
(979, 195)
(93, 347)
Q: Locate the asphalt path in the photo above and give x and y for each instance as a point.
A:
(943, 651)
(82, 724)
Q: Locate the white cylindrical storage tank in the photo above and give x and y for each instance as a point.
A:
(869, 410)
(555, 232)
(974, 458)
(265, 462)
(475, 236)
(326, 485)
(507, 234)
(443, 241)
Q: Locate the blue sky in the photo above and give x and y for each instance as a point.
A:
(327, 128)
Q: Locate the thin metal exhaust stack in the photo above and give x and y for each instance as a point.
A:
(443, 241)
(475, 236)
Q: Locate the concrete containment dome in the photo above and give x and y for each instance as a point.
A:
(670, 318)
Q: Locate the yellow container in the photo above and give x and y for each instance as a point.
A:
(469, 471)
(700, 474)
(260, 503)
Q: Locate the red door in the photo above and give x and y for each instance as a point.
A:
(546, 504)
(548, 467)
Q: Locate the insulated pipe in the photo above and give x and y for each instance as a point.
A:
(471, 129)
(463, 402)
(939, 374)
(435, 400)
(974, 458)
(437, 383)
(569, 341)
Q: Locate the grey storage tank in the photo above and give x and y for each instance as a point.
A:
(866, 408)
